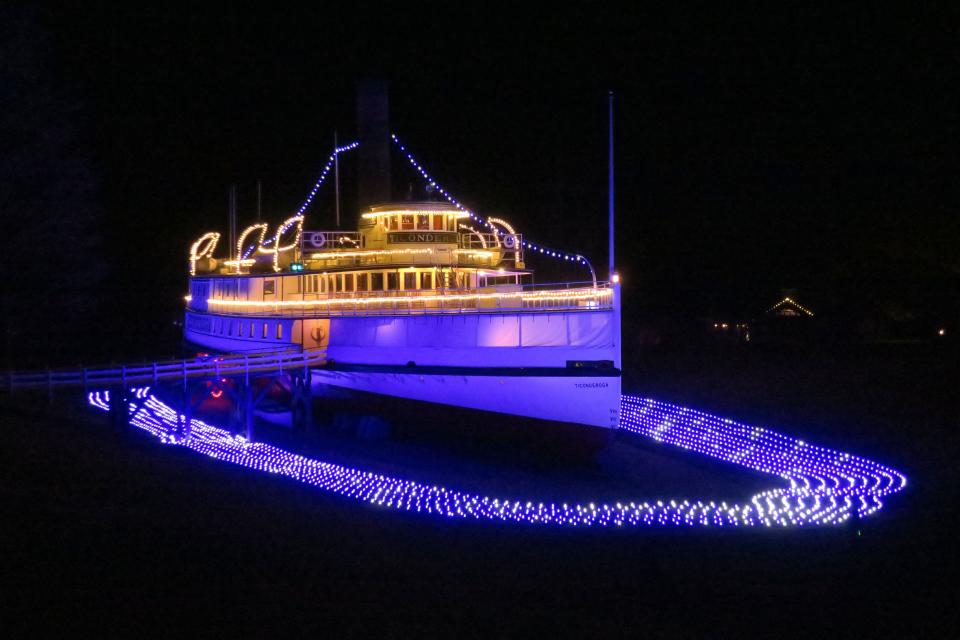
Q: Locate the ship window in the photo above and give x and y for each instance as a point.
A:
(251, 329)
(406, 222)
(409, 280)
(279, 331)
(426, 280)
(268, 287)
(376, 281)
(393, 280)
(393, 222)
(437, 222)
(361, 282)
(423, 221)
(348, 282)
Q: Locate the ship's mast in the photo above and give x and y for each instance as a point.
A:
(336, 175)
(610, 190)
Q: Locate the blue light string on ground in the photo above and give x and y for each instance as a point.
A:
(817, 486)
(446, 194)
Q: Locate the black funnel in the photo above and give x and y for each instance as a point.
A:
(373, 125)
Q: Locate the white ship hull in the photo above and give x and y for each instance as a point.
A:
(585, 400)
(556, 367)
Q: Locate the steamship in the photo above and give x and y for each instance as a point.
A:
(418, 304)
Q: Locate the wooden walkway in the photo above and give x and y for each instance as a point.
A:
(215, 366)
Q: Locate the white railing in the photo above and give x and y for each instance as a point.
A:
(494, 299)
(315, 241)
(171, 370)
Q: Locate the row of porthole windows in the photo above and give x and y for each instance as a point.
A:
(248, 329)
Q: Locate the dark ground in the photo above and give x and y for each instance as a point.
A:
(122, 535)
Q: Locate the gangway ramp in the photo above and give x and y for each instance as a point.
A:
(216, 366)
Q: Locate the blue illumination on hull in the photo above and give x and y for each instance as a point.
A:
(817, 486)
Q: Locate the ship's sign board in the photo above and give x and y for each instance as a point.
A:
(414, 237)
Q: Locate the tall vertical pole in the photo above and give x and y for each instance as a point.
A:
(610, 190)
(613, 278)
(232, 211)
(336, 175)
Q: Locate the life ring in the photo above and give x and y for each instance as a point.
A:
(318, 239)
(510, 241)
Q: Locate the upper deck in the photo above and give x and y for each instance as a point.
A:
(411, 257)
(411, 233)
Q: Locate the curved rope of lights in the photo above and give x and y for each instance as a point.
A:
(200, 250)
(241, 255)
(571, 257)
(483, 241)
(816, 486)
(276, 249)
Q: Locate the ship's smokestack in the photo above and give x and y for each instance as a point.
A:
(373, 125)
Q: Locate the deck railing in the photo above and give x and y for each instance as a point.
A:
(170, 370)
(574, 296)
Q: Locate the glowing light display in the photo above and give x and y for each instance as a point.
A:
(276, 249)
(815, 486)
(567, 295)
(323, 175)
(490, 222)
(244, 255)
(332, 255)
(790, 301)
(413, 212)
(203, 248)
(503, 223)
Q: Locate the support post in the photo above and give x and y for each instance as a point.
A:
(185, 416)
(302, 400)
(247, 399)
(119, 408)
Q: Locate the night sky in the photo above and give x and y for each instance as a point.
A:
(757, 151)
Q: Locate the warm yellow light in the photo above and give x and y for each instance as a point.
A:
(395, 212)
(262, 226)
(483, 240)
(333, 255)
(615, 278)
(942, 332)
(276, 249)
(200, 250)
(794, 303)
(585, 294)
(502, 223)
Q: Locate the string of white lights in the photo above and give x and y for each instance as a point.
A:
(491, 223)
